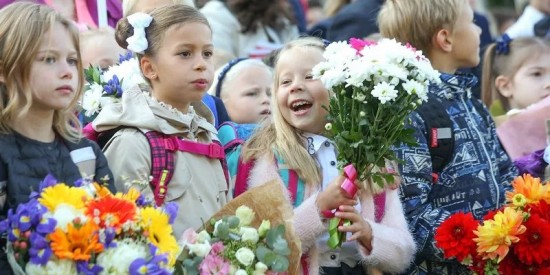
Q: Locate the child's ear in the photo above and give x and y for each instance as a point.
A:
(504, 86)
(148, 68)
(443, 40)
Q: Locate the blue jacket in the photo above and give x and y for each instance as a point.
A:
(475, 180)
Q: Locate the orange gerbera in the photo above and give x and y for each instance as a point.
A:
(533, 190)
(79, 243)
(495, 236)
(111, 211)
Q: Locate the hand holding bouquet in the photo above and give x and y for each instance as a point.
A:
(88, 230)
(512, 240)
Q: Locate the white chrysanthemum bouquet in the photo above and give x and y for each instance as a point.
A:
(104, 87)
(375, 86)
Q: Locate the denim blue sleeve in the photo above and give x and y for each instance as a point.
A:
(416, 171)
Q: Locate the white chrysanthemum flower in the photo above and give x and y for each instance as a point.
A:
(358, 71)
(339, 53)
(334, 77)
(54, 266)
(384, 92)
(91, 99)
(320, 69)
(65, 214)
(413, 87)
(128, 72)
(117, 260)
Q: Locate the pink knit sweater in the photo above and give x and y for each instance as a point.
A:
(393, 246)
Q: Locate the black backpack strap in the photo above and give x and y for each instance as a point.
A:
(440, 136)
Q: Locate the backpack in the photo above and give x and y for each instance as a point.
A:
(440, 135)
(163, 147)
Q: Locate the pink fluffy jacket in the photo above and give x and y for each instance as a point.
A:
(393, 247)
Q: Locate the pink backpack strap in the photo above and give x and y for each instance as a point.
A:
(162, 165)
(379, 206)
(243, 172)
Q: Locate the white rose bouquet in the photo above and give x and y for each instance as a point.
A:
(375, 86)
(104, 87)
(250, 235)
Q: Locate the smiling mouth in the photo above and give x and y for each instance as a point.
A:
(300, 105)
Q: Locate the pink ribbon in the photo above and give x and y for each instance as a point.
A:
(348, 186)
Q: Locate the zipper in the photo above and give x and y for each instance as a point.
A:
(484, 150)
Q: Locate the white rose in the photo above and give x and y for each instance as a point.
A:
(241, 272)
(245, 256)
(200, 249)
(260, 268)
(245, 215)
(249, 234)
(266, 224)
(203, 237)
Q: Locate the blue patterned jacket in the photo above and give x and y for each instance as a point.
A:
(475, 180)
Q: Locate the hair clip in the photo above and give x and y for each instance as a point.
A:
(138, 42)
(503, 44)
(224, 71)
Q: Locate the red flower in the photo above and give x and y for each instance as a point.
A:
(542, 209)
(110, 211)
(491, 214)
(534, 246)
(455, 236)
(512, 265)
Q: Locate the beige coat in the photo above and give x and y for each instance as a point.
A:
(198, 185)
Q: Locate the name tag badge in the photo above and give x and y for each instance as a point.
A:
(83, 154)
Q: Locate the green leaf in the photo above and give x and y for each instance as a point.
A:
(233, 222)
(280, 264)
(223, 231)
(261, 252)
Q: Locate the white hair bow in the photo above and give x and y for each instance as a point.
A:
(138, 42)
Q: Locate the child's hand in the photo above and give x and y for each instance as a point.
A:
(333, 196)
(360, 229)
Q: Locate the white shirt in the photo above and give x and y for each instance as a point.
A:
(525, 25)
(324, 152)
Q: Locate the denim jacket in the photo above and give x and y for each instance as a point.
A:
(475, 179)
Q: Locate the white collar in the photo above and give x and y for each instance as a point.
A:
(315, 141)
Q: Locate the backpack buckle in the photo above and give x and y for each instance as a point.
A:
(215, 151)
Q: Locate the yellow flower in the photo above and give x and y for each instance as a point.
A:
(52, 196)
(495, 236)
(159, 232)
(132, 195)
(102, 191)
(530, 187)
(519, 200)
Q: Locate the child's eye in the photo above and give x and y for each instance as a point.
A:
(72, 61)
(48, 59)
(185, 54)
(536, 74)
(254, 93)
(284, 82)
(309, 76)
(208, 53)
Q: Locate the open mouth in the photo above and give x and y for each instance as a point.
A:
(300, 106)
(265, 112)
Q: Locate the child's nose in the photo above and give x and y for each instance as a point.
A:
(66, 70)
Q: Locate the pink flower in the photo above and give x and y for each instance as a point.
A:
(189, 236)
(214, 264)
(217, 248)
(409, 46)
(359, 44)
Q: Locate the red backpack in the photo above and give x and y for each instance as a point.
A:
(163, 148)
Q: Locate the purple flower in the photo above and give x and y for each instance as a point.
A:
(84, 267)
(171, 209)
(23, 215)
(141, 266)
(46, 226)
(40, 251)
(142, 201)
(113, 87)
(125, 57)
(48, 181)
(110, 234)
(4, 225)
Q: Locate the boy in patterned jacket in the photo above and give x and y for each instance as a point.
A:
(478, 171)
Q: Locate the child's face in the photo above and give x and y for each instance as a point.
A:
(247, 96)
(183, 64)
(531, 83)
(101, 51)
(301, 98)
(54, 72)
(465, 51)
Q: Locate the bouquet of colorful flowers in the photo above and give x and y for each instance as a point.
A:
(511, 240)
(104, 87)
(375, 86)
(252, 235)
(86, 229)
